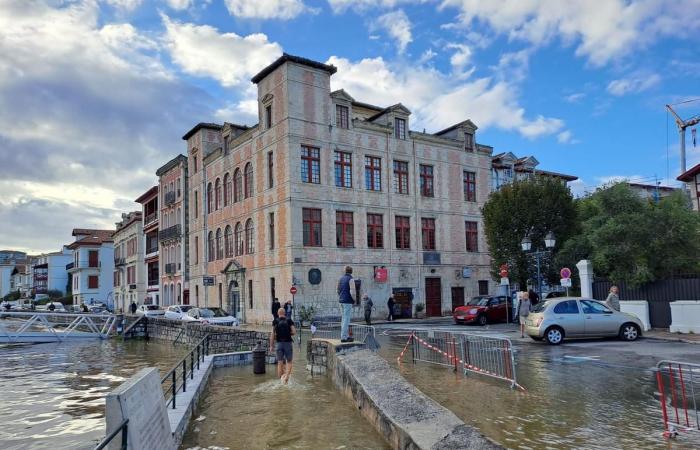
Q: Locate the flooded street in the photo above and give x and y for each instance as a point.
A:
(52, 395)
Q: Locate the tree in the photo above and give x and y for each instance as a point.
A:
(535, 205)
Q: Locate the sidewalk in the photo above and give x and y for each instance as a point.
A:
(664, 334)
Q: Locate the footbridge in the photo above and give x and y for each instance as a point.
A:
(39, 327)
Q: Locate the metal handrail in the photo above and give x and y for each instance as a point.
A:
(123, 428)
(201, 349)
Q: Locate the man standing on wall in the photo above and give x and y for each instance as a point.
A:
(282, 332)
(346, 302)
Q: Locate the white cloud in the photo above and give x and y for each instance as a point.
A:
(601, 29)
(426, 56)
(179, 4)
(341, 6)
(397, 25)
(125, 5)
(227, 57)
(566, 137)
(438, 100)
(514, 65)
(461, 57)
(575, 97)
(266, 9)
(633, 84)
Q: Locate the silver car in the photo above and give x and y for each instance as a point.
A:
(574, 317)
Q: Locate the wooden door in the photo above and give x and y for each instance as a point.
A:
(457, 297)
(433, 297)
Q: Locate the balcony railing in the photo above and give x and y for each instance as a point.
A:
(69, 266)
(173, 232)
(170, 198)
(119, 261)
(170, 268)
(153, 282)
(83, 265)
(150, 219)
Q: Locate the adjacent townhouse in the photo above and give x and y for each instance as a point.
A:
(19, 280)
(324, 180)
(9, 259)
(92, 267)
(129, 269)
(506, 168)
(150, 212)
(49, 272)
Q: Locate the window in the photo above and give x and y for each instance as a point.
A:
(469, 142)
(228, 241)
(403, 232)
(270, 172)
(227, 190)
(250, 294)
(373, 173)
(375, 231)
(196, 204)
(93, 282)
(591, 307)
(344, 229)
(567, 307)
(483, 287)
(426, 181)
(472, 236)
(272, 230)
(217, 188)
(248, 180)
(196, 249)
(195, 164)
(273, 291)
(268, 116)
(211, 247)
(343, 169)
(226, 138)
(93, 258)
(239, 239)
(469, 186)
(237, 186)
(249, 242)
(210, 198)
(116, 278)
(341, 116)
(311, 219)
(428, 231)
(401, 177)
(399, 128)
(310, 164)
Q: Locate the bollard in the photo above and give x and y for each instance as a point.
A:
(259, 353)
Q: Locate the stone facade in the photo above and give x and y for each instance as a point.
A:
(129, 270)
(151, 260)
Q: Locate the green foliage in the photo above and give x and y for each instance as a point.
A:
(54, 293)
(12, 296)
(307, 313)
(540, 204)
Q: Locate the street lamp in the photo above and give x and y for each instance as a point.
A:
(549, 243)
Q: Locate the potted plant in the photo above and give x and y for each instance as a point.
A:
(420, 314)
(306, 314)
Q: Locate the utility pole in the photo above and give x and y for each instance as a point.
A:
(682, 125)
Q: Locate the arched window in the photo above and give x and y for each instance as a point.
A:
(217, 188)
(211, 246)
(178, 258)
(227, 190)
(179, 293)
(210, 198)
(237, 186)
(177, 186)
(239, 239)
(248, 178)
(219, 245)
(249, 247)
(228, 241)
(177, 217)
(172, 294)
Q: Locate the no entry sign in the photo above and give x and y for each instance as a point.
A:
(293, 290)
(565, 272)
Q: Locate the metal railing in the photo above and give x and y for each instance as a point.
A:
(679, 395)
(150, 218)
(490, 356)
(23, 327)
(169, 198)
(170, 233)
(331, 330)
(119, 261)
(169, 268)
(176, 378)
(123, 428)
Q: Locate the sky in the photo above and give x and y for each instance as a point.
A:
(96, 95)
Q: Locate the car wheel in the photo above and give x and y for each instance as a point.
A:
(629, 332)
(554, 335)
(536, 338)
(483, 320)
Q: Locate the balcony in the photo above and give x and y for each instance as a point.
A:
(153, 217)
(119, 262)
(170, 198)
(173, 232)
(69, 266)
(170, 268)
(83, 265)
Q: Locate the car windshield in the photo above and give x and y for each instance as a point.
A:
(541, 306)
(478, 301)
(152, 307)
(212, 312)
(185, 308)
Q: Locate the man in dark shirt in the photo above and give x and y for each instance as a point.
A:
(275, 307)
(282, 332)
(346, 300)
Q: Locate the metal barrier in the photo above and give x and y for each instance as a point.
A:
(123, 428)
(677, 383)
(331, 330)
(33, 327)
(484, 355)
(195, 357)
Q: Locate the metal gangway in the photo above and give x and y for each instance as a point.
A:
(40, 327)
(679, 394)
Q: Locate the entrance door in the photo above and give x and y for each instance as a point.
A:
(457, 297)
(234, 300)
(433, 297)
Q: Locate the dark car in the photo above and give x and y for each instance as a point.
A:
(484, 309)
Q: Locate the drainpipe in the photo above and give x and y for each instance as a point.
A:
(418, 241)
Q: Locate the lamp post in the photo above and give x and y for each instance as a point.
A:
(549, 242)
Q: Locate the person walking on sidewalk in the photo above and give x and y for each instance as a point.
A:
(523, 311)
(346, 301)
(282, 332)
(368, 304)
(390, 307)
(613, 300)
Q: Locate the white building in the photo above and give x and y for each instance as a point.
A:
(5, 275)
(506, 168)
(48, 273)
(129, 269)
(92, 269)
(20, 280)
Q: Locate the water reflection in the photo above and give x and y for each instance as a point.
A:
(53, 394)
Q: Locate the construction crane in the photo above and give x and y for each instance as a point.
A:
(682, 125)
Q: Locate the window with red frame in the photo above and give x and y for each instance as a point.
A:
(403, 232)
(344, 229)
(311, 221)
(343, 169)
(399, 128)
(472, 236)
(93, 258)
(428, 232)
(373, 173)
(93, 282)
(401, 177)
(310, 164)
(426, 181)
(375, 231)
(469, 186)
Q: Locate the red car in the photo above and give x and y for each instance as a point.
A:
(484, 309)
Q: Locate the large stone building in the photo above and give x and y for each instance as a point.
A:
(129, 270)
(150, 211)
(323, 181)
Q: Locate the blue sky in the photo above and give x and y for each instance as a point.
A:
(95, 95)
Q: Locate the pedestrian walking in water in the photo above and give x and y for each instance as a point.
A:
(613, 300)
(282, 332)
(390, 307)
(346, 300)
(368, 305)
(275, 307)
(523, 311)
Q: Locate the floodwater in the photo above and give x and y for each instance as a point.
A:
(242, 411)
(52, 396)
(569, 403)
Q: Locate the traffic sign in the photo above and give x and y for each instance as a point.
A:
(293, 290)
(565, 272)
(566, 282)
(208, 281)
(503, 270)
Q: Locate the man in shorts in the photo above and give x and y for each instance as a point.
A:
(282, 332)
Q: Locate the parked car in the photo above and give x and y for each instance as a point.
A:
(484, 309)
(150, 311)
(210, 316)
(573, 317)
(177, 312)
(57, 307)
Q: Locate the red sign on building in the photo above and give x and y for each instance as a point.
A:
(381, 275)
